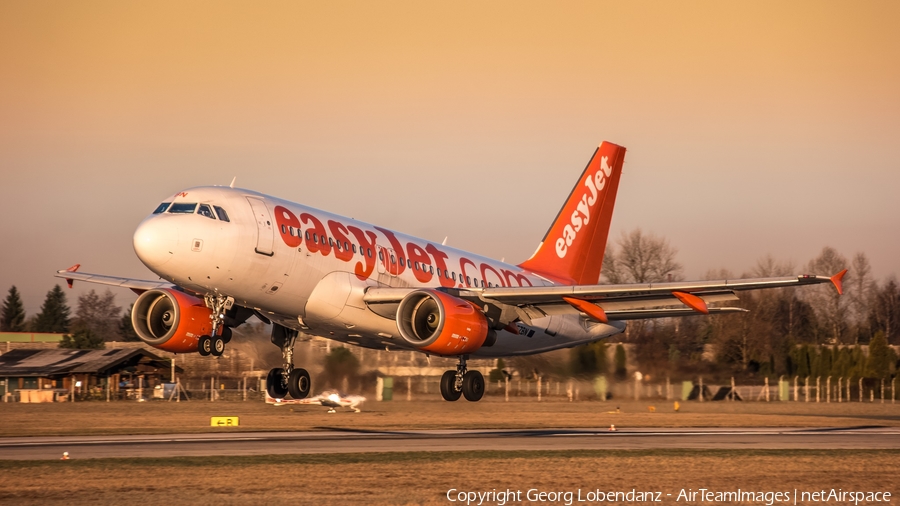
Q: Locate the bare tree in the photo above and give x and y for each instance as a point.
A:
(884, 314)
(768, 267)
(640, 258)
(860, 291)
(99, 314)
(830, 307)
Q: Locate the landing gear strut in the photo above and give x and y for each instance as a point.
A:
(214, 344)
(287, 379)
(462, 382)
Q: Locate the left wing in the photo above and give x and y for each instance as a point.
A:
(136, 285)
(606, 302)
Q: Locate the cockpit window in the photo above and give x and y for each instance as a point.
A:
(182, 208)
(205, 210)
(162, 208)
(222, 214)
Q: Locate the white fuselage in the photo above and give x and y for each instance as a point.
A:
(308, 270)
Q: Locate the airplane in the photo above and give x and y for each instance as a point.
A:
(224, 254)
(331, 399)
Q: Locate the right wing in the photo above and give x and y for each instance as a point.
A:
(138, 286)
(605, 302)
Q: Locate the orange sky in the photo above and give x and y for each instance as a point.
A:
(764, 127)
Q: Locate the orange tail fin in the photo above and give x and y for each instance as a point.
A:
(572, 250)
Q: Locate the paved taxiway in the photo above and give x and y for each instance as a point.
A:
(353, 441)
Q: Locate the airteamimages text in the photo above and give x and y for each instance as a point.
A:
(496, 497)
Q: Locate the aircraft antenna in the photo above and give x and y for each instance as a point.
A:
(232, 182)
(444, 242)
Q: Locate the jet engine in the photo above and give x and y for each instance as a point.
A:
(170, 320)
(442, 324)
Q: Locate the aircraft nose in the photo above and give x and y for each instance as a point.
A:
(154, 241)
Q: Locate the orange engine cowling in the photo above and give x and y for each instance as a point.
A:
(170, 320)
(442, 324)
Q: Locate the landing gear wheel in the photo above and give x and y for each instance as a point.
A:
(218, 346)
(226, 334)
(448, 386)
(473, 386)
(299, 383)
(204, 346)
(275, 386)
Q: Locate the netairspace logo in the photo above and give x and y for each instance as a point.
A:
(496, 497)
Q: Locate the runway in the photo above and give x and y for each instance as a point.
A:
(355, 441)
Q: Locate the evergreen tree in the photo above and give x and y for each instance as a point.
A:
(620, 362)
(826, 361)
(582, 360)
(12, 319)
(600, 354)
(842, 362)
(881, 357)
(126, 328)
(54, 315)
(589, 359)
(82, 339)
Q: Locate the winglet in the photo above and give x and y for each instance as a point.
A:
(836, 281)
(692, 301)
(70, 281)
(594, 311)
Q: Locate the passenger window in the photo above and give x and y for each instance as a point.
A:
(315, 238)
(439, 273)
(182, 208)
(161, 208)
(369, 252)
(284, 230)
(393, 260)
(453, 275)
(381, 255)
(337, 245)
(431, 269)
(347, 246)
(417, 265)
(354, 249)
(446, 275)
(409, 263)
(222, 214)
(468, 280)
(307, 235)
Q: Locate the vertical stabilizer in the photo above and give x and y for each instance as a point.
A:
(572, 250)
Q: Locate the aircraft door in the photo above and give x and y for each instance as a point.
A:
(265, 230)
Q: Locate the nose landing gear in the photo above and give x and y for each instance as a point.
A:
(214, 344)
(462, 382)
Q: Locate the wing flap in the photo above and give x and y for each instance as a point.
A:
(604, 294)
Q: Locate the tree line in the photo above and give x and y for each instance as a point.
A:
(97, 318)
(795, 331)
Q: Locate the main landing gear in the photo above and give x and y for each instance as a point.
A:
(287, 379)
(462, 382)
(214, 344)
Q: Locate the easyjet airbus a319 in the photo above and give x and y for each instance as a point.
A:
(226, 254)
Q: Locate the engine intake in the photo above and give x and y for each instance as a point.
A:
(170, 320)
(442, 324)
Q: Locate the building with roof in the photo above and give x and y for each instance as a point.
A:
(41, 375)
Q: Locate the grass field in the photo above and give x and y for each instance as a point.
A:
(92, 418)
(425, 478)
